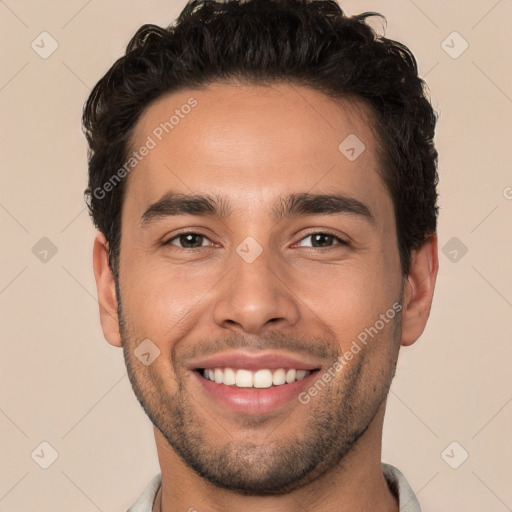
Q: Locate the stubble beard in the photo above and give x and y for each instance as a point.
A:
(338, 417)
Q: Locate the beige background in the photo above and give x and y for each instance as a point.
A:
(63, 384)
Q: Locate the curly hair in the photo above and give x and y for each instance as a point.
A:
(306, 42)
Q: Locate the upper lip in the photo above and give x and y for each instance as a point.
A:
(254, 361)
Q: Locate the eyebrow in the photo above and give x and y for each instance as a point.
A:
(174, 204)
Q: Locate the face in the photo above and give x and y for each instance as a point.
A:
(262, 285)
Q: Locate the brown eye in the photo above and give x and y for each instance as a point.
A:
(188, 240)
(321, 239)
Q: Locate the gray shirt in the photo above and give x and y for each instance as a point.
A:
(397, 483)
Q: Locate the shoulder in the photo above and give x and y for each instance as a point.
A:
(145, 501)
(399, 486)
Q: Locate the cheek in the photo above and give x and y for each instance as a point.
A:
(159, 303)
(354, 300)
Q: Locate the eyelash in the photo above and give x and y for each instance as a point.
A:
(324, 232)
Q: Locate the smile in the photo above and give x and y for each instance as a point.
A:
(263, 378)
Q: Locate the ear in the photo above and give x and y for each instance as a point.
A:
(106, 288)
(419, 290)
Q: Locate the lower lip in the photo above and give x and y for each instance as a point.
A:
(254, 400)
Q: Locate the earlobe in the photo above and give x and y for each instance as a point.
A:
(419, 290)
(105, 285)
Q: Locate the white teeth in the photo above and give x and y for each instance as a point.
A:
(243, 379)
(290, 375)
(263, 378)
(218, 375)
(279, 377)
(229, 377)
(299, 376)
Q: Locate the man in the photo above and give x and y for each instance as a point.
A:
(263, 178)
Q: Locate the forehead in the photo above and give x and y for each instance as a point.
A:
(253, 142)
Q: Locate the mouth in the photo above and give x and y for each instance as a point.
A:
(259, 392)
(250, 383)
(260, 379)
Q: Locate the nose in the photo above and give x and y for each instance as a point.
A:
(256, 297)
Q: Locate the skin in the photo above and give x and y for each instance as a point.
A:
(252, 144)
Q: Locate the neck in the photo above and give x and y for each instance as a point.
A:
(356, 483)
